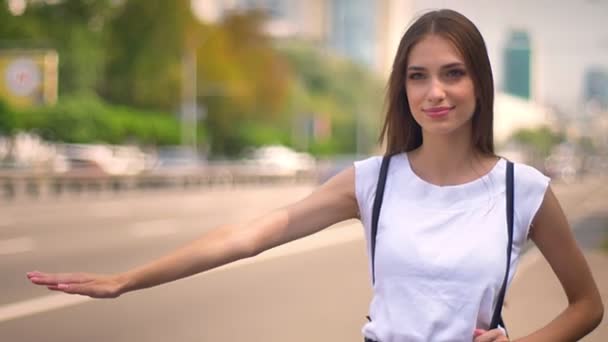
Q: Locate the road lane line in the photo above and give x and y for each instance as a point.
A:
(153, 228)
(16, 245)
(337, 235)
(39, 305)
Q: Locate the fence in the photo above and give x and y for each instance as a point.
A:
(32, 185)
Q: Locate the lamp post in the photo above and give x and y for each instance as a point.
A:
(189, 104)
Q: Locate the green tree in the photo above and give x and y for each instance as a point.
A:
(346, 94)
(144, 46)
(242, 78)
(541, 139)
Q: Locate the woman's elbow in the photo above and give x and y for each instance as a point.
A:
(594, 311)
(598, 312)
(244, 243)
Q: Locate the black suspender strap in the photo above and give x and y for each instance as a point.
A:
(497, 316)
(376, 210)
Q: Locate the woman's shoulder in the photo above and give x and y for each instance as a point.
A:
(366, 176)
(528, 173)
(369, 165)
(530, 185)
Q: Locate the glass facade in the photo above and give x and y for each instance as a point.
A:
(352, 29)
(517, 65)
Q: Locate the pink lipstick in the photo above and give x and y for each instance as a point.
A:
(437, 112)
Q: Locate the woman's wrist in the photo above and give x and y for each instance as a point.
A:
(124, 283)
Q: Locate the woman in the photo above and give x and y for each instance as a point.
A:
(439, 253)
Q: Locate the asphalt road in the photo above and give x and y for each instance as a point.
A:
(314, 289)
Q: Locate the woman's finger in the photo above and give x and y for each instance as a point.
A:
(57, 278)
(494, 335)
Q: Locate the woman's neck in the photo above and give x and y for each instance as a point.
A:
(445, 159)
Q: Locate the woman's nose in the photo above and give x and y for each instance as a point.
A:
(436, 91)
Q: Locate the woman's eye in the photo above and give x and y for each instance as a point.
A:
(455, 73)
(416, 76)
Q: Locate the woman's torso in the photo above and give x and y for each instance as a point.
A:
(440, 251)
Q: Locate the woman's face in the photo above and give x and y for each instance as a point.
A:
(439, 88)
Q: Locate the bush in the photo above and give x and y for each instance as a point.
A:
(7, 119)
(87, 119)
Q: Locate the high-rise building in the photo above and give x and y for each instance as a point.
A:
(353, 29)
(596, 87)
(518, 65)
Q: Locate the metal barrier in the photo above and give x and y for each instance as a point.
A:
(32, 185)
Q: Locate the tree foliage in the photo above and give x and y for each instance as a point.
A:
(541, 140)
(130, 54)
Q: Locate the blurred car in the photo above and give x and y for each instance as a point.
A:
(278, 160)
(177, 159)
(106, 159)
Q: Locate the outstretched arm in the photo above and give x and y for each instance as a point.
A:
(332, 202)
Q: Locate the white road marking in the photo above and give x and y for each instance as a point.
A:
(153, 228)
(337, 235)
(16, 245)
(41, 304)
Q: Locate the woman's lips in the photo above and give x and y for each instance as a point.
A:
(438, 112)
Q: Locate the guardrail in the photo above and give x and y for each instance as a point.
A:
(33, 185)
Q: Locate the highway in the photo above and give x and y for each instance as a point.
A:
(316, 288)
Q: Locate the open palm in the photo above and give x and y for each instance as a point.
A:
(86, 284)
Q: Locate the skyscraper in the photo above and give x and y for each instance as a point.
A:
(352, 29)
(517, 65)
(596, 87)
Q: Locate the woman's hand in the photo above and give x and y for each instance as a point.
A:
(494, 335)
(86, 284)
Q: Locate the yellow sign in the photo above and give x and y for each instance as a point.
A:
(28, 77)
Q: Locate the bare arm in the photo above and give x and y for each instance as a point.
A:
(553, 236)
(333, 202)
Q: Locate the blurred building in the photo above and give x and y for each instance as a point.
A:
(366, 31)
(596, 88)
(512, 113)
(517, 70)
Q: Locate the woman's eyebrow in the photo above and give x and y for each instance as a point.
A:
(452, 65)
(447, 66)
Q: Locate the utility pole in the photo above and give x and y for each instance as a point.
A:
(189, 105)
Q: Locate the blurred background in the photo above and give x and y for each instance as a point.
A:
(128, 127)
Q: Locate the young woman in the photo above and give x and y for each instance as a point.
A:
(440, 247)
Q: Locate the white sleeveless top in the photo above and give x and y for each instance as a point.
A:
(441, 250)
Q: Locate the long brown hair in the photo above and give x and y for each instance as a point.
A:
(401, 131)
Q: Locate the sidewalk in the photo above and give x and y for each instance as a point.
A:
(536, 296)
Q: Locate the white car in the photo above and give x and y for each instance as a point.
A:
(280, 161)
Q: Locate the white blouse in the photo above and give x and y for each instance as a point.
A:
(441, 250)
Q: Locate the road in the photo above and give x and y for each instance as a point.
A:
(316, 288)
